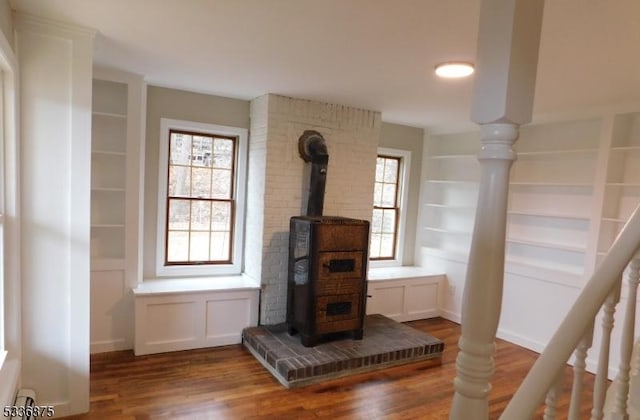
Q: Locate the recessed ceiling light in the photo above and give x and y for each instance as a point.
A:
(453, 70)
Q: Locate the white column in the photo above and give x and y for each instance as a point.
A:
(483, 289)
(506, 62)
(55, 104)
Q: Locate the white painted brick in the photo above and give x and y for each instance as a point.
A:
(277, 180)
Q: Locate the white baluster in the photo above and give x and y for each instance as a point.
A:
(551, 402)
(626, 343)
(634, 388)
(602, 374)
(579, 368)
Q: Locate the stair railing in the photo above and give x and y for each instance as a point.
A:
(575, 335)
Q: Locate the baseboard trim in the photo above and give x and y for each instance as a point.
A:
(520, 340)
(450, 316)
(502, 333)
(110, 345)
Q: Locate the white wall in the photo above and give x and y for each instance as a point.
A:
(179, 105)
(55, 63)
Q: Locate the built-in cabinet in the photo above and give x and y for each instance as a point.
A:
(574, 184)
(116, 174)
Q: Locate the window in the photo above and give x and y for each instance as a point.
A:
(387, 222)
(9, 223)
(202, 197)
(2, 211)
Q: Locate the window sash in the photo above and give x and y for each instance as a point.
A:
(190, 230)
(395, 208)
(191, 199)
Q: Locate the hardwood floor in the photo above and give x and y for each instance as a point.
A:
(228, 383)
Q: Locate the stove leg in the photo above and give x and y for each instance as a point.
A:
(307, 340)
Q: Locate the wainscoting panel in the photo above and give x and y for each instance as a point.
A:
(189, 320)
(422, 300)
(404, 293)
(226, 316)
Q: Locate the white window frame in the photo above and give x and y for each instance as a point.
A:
(403, 198)
(235, 267)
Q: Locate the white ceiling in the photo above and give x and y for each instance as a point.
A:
(374, 54)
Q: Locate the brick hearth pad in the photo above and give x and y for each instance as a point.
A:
(385, 343)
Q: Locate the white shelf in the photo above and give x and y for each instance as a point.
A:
(557, 153)
(109, 114)
(550, 215)
(623, 184)
(454, 156)
(614, 220)
(441, 230)
(535, 268)
(625, 148)
(108, 153)
(107, 189)
(452, 182)
(551, 184)
(563, 247)
(450, 207)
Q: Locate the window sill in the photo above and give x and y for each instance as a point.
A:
(398, 273)
(159, 286)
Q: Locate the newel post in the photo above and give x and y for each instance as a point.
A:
(506, 62)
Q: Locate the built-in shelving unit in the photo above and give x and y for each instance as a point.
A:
(451, 194)
(108, 171)
(551, 195)
(116, 163)
(622, 184)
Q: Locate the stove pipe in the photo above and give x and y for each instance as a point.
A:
(313, 149)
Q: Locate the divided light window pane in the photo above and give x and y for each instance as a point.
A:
(200, 198)
(384, 223)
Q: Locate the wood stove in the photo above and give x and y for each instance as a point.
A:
(326, 287)
(326, 290)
